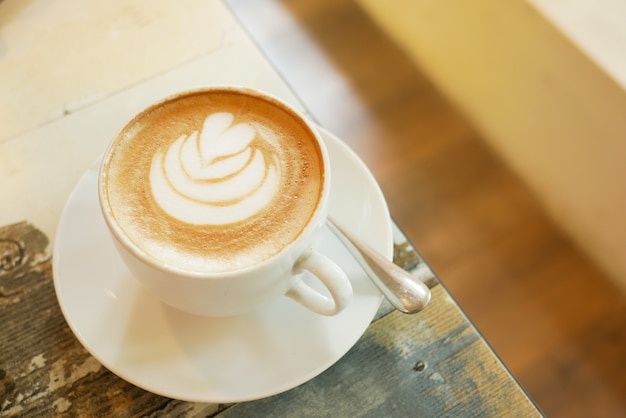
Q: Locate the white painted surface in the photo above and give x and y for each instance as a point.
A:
(63, 100)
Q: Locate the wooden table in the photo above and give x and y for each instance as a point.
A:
(71, 75)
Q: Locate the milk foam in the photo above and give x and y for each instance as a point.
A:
(217, 176)
(213, 181)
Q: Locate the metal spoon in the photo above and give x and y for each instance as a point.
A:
(404, 291)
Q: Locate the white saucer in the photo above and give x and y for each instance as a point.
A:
(219, 360)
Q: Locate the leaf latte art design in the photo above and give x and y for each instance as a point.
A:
(215, 176)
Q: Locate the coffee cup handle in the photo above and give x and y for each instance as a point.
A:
(331, 275)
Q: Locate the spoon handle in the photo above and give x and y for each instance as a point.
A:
(404, 291)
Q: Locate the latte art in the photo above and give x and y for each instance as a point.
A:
(213, 181)
(217, 175)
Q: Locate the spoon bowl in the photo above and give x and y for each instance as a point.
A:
(404, 291)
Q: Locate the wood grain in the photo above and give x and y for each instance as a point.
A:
(430, 364)
(44, 371)
(425, 365)
(551, 314)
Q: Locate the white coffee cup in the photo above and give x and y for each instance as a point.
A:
(130, 197)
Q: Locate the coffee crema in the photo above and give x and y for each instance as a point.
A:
(213, 181)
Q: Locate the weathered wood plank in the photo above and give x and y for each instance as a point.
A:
(430, 364)
(44, 371)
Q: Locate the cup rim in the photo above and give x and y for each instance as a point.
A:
(315, 221)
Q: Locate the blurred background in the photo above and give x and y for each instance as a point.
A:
(497, 133)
